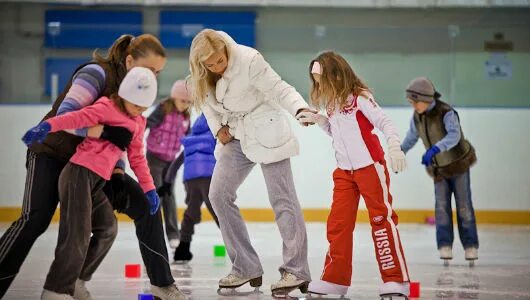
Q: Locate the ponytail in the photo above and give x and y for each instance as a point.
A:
(114, 61)
(116, 54)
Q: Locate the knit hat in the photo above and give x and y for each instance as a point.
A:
(421, 89)
(180, 90)
(139, 87)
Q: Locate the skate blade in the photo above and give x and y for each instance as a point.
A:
(284, 292)
(181, 262)
(390, 296)
(446, 262)
(313, 295)
(228, 292)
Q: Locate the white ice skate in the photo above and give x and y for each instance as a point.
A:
(446, 253)
(170, 292)
(228, 285)
(287, 284)
(81, 292)
(471, 255)
(391, 289)
(321, 287)
(49, 295)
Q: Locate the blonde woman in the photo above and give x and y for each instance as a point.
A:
(243, 100)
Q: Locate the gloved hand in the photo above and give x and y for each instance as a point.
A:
(397, 156)
(154, 201)
(306, 118)
(164, 189)
(426, 159)
(119, 136)
(116, 191)
(37, 133)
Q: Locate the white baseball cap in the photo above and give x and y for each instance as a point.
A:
(139, 87)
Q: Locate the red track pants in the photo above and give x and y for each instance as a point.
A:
(371, 182)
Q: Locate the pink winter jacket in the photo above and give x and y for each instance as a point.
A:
(100, 156)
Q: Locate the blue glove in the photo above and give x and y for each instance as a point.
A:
(37, 133)
(154, 201)
(429, 154)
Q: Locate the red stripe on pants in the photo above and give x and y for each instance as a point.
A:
(372, 183)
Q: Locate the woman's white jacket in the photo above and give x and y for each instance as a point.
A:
(250, 98)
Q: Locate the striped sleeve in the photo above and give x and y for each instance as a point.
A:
(87, 85)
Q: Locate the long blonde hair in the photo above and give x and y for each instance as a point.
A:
(205, 44)
(337, 82)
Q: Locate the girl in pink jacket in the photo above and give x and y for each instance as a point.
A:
(81, 181)
(352, 115)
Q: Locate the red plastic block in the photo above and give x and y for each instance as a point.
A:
(414, 289)
(133, 270)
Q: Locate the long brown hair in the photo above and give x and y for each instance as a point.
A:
(168, 106)
(114, 60)
(337, 82)
(205, 43)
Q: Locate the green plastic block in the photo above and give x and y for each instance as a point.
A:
(219, 251)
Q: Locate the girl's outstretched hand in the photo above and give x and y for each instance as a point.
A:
(37, 133)
(306, 118)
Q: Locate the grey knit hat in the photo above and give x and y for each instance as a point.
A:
(421, 89)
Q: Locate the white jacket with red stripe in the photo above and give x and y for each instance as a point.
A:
(356, 146)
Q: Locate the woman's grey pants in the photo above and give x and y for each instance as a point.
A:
(230, 171)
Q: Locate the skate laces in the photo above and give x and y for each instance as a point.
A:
(286, 276)
(228, 279)
(231, 277)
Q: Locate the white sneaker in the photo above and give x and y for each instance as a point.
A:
(233, 281)
(446, 252)
(49, 295)
(471, 253)
(170, 292)
(174, 243)
(81, 292)
(322, 287)
(393, 287)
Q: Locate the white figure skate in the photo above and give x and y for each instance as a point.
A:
(228, 285)
(49, 295)
(170, 292)
(446, 253)
(391, 289)
(471, 255)
(81, 292)
(319, 288)
(288, 283)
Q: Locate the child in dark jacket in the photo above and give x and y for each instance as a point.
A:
(199, 163)
(448, 158)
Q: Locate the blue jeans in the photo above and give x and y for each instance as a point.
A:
(458, 185)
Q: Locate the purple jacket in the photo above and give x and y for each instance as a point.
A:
(166, 132)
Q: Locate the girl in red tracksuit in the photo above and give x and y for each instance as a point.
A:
(361, 170)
